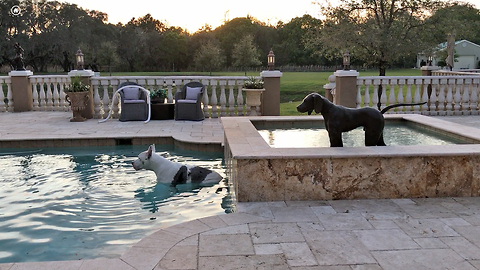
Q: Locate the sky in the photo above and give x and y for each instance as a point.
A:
(193, 14)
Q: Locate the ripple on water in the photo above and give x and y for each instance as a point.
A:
(56, 204)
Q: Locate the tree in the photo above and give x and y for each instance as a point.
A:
(209, 57)
(245, 54)
(377, 32)
(107, 55)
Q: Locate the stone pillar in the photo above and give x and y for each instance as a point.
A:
(85, 76)
(330, 88)
(346, 88)
(271, 95)
(21, 90)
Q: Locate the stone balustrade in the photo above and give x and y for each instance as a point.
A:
(6, 94)
(444, 95)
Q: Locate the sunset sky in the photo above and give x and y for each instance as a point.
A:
(193, 14)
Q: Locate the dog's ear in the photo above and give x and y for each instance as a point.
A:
(150, 151)
(317, 103)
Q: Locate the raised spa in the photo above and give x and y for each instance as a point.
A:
(261, 172)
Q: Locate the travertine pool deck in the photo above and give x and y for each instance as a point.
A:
(431, 233)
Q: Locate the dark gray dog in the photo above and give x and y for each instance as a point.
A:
(340, 119)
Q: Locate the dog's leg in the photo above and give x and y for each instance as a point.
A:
(380, 141)
(372, 138)
(335, 139)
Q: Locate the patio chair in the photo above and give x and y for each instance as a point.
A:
(134, 103)
(188, 102)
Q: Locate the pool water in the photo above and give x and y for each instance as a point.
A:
(84, 203)
(394, 134)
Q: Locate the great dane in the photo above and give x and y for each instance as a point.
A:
(340, 119)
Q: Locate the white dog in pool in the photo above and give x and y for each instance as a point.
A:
(169, 172)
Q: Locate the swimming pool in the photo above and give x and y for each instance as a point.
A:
(83, 203)
(402, 133)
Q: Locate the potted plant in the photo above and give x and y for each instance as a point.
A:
(77, 95)
(158, 96)
(253, 88)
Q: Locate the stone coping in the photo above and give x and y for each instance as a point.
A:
(245, 142)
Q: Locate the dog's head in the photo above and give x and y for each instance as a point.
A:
(143, 160)
(311, 102)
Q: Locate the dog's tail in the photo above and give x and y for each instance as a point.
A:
(400, 104)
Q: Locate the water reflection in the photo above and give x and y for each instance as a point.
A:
(61, 205)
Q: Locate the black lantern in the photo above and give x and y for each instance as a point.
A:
(270, 60)
(346, 60)
(80, 61)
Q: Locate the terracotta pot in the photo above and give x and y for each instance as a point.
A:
(78, 103)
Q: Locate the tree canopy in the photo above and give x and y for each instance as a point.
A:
(380, 33)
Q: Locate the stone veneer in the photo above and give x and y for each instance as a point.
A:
(262, 173)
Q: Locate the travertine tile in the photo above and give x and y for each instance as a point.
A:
(344, 222)
(377, 239)
(179, 257)
(277, 262)
(59, 265)
(275, 233)
(225, 245)
(298, 254)
(338, 247)
(421, 259)
(430, 243)
(417, 228)
(293, 214)
(144, 258)
(105, 264)
(463, 247)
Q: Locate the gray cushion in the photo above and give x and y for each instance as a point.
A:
(192, 92)
(131, 93)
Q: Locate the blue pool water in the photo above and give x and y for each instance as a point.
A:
(83, 203)
(394, 134)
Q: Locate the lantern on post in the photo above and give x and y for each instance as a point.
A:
(271, 60)
(346, 60)
(80, 59)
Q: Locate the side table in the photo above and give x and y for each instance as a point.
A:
(162, 111)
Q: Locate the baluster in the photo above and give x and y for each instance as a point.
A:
(391, 97)
(43, 95)
(424, 107)
(63, 103)
(433, 97)
(366, 98)
(449, 104)
(231, 98)
(97, 102)
(457, 97)
(3, 108)
(441, 97)
(56, 96)
(359, 94)
(416, 96)
(115, 107)
(106, 99)
(223, 98)
(168, 82)
(383, 97)
(9, 97)
(177, 85)
(240, 105)
(49, 94)
(474, 97)
(375, 100)
(466, 97)
(214, 99)
(206, 112)
(401, 83)
(35, 94)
